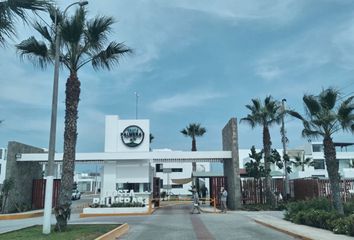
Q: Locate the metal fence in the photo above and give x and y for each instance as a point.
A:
(253, 191)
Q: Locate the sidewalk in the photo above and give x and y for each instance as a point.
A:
(273, 219)
(12, 225)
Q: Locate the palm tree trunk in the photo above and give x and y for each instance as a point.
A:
(62, 211)
(267, 148)
(332, 169)
(194, 164)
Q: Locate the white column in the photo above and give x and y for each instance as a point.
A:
(48, 205)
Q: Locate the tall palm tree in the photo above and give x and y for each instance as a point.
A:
(193, 130)
(12, 10)
(82, 42)
(265, 115)
(324, 116)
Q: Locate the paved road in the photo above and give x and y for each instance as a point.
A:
(177, 223)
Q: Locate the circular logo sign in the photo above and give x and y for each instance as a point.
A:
(132, 136)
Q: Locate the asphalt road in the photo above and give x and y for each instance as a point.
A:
(176, 222)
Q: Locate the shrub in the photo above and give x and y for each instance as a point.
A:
(348, 208)
(316, 218)
(344, 225)
(317, 204)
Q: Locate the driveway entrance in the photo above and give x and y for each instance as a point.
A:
(176, 222)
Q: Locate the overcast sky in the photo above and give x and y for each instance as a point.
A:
(194, 61)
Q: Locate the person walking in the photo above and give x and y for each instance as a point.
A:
(195, 201)
(223, 199)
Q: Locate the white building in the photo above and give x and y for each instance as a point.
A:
(318, 169)
(3, 155)
(88, 182)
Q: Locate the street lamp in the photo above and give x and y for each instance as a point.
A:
(53, 124)
(136, 104)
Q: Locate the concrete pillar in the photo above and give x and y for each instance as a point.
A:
(231, 166)
(23, 174)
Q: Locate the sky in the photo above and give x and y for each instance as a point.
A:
(194, 61)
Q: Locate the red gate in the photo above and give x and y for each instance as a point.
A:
(38, 193)
(215, 185)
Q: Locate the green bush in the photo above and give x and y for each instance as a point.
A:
(317, 204)
(344, 225)
(316, 218)
(348, 208)
(319, 213)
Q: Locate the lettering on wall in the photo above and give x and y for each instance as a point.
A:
(122, 196)
(132, 136)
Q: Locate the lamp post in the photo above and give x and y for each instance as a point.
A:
(53, 124)
(136, 104)
(283, 139)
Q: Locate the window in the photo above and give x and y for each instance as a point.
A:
(318, 164)
(177, 186)
(159, 167)
(317, 148)
(177, 169)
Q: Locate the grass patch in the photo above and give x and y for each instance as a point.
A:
(74, 232)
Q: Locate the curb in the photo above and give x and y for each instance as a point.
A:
(87, 215)
(283, 231)
(115, 233)
(15, 216)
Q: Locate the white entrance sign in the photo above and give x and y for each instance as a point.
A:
(122, 196)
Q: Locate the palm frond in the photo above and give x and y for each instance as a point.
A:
(256, 104)
(96, 32)
(110, 56)
(19, 7)
(249, 120)
(7, 29)
(306, 132)
(35, 51)
(295, 114)
(12, 10)
(72, 28)
(328, 98)
(345, 114)
(311, 104)
(43, 30)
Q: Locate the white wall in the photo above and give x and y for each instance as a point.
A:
(113, 129)
(3, 158)
(128, 171)
(133, 171)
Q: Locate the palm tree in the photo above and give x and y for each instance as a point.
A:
(193, 130)
(265, 115)
(82, 42)
(301, 162)
(324, 116)
(12, 10)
